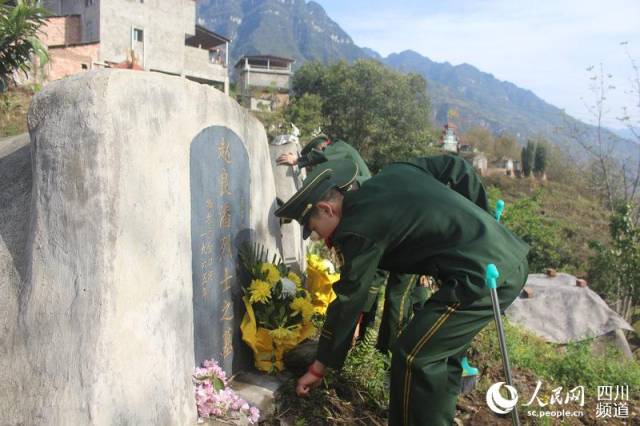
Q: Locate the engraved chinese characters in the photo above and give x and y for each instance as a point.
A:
(219, 199)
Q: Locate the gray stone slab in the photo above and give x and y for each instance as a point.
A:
(100, 330)
(259, 389)
(288, 180)
(560, 312)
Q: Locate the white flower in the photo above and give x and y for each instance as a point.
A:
(328, 266)
(288, 287)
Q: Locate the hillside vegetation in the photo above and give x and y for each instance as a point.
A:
(14, 105)
(556, 219)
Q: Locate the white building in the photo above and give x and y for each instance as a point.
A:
(449, 139)
(154, 35)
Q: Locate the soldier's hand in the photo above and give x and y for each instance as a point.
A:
(289, 158)
(306, 383)
(311, 379)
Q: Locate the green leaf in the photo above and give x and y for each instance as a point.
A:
(217, 384)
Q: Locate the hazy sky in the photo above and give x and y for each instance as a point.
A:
(544, 46)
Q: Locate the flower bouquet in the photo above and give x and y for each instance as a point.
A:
(215, 399)
(321, 275)
(279, 309)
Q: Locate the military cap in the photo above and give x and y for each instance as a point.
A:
(343, 172)
(339, 174)
(313, 143)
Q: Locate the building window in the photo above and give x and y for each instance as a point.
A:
(85, 67)
(138, 35)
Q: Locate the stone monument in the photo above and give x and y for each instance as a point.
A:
(122, 258)
(288, 180)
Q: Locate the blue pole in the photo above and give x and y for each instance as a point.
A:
(499, 209)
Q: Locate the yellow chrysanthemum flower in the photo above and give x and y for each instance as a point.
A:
(282, 334)
(298, 304)
(304, 306)
(295, 278)
(260, 291)
(307, 310)
(271, 272)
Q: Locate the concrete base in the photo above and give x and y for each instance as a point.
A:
(260, 390)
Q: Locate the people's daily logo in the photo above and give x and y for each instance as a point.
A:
(499, 404)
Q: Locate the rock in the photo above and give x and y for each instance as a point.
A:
(526, 293)
(581, 283)
(550, 272)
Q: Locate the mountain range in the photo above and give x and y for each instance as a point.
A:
(303, 31)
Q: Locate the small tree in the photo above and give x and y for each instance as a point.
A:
(19, 26)
(383, 113)
(480, 138)
(527, 156)
(306, 113)
(505, 146)
(540, 161)
(615, 270)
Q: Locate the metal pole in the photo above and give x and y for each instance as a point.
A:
(491, 279)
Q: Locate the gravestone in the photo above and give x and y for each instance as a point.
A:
(220, 196)
(288, 180)
(101, 326)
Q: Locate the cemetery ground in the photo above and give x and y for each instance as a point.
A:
(357, 395)
(558, 218)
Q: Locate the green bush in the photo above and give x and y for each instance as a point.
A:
(383, 113)
(573, 365)
(546, 236)
(367, 368)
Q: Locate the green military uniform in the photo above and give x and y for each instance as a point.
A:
(394, 314)
(402, 291)
(397, 306)
(336, 150)
(406, 220)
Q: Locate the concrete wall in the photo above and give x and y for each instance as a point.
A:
(65, 61)
(101, 329)
(15, 200)
(53, 6)
(197, 64)
(263, 78)
(62, 30)
(164, 23)
(90, 15)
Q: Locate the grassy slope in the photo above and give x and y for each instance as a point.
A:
(574, 211)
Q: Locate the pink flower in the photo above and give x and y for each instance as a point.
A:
(222, 403)
(254, 415)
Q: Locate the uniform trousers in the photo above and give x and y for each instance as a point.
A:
(426, 365)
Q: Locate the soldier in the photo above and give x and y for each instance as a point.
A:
(417, 218)
(321, 149)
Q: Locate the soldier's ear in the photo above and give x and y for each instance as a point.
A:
(326, 207)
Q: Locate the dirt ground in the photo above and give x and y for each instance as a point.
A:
(340, 404)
